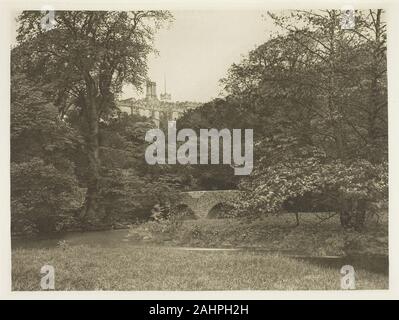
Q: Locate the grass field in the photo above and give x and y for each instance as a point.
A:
(148, 257)
(131, 267)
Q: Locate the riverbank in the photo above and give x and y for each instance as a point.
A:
(313, 236)
(165, 268)
(272, 253)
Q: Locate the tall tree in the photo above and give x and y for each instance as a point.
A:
(350, 77)
(321, 92)
(87, 57)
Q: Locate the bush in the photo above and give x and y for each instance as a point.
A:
(43, 199)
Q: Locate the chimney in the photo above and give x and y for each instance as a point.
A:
(151, 90)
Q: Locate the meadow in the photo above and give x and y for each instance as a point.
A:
(270, 254)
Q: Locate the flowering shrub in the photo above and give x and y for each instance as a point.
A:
(350, 187)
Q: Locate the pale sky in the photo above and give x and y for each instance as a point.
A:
(198, 48)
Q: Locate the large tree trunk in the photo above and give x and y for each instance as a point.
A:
(344, 213)
(90, 211)
(353, 214)
(91, 202)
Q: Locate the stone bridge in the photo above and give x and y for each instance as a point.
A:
(202, 202)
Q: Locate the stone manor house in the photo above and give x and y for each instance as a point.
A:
(160, 110)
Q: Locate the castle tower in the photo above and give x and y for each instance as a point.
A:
(151, 90)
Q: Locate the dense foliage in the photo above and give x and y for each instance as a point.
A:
(48, 167)
(316, 96)
(76, 161)
(86, 57)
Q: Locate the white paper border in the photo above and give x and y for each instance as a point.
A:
(6, 15)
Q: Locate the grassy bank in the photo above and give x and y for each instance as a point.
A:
(160, 268)
(148, 257)
(312, 236)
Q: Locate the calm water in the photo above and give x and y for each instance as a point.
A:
(109, 238)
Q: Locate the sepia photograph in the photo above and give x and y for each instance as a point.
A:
(199, 150)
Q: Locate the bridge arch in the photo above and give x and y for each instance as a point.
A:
(219, 210)
(184, 211)
(202, 202)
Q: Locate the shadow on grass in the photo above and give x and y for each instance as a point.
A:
(372, 263)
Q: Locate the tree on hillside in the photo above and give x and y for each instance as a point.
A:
(86, 58)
